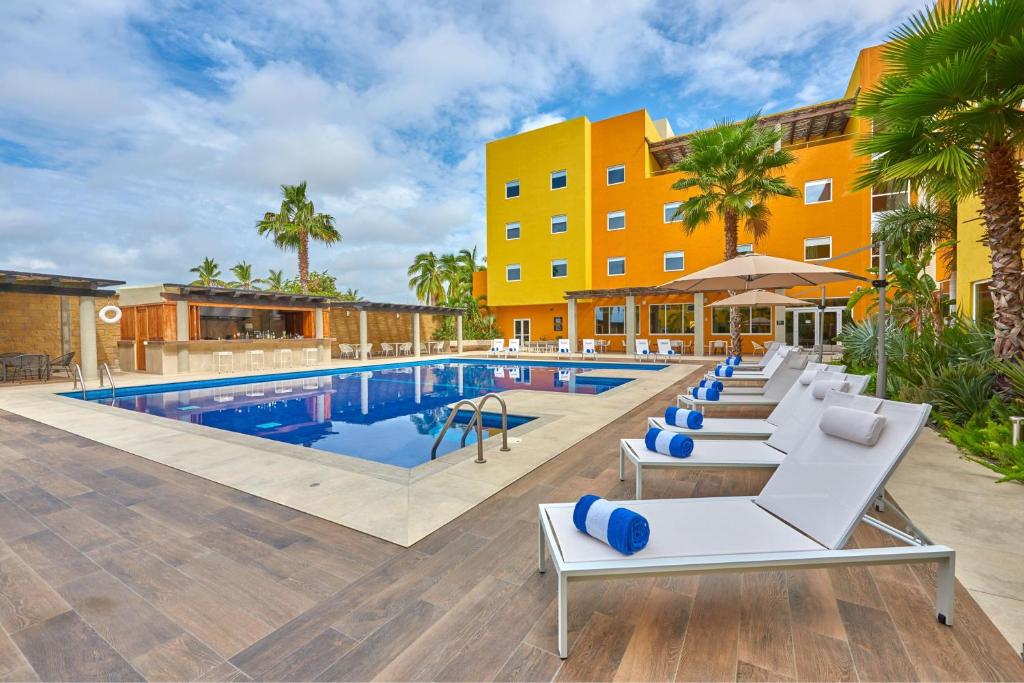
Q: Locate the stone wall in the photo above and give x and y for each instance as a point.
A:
(381, 327)
(31, 323)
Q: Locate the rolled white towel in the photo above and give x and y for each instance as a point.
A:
(823, 386)
(858, 426)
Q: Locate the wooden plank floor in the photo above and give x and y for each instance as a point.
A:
(114, 567)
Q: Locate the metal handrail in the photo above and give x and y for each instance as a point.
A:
(504, 417)
(79, 379)
(451, 419)
(110, 377)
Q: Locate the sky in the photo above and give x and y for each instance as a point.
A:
(138, 137)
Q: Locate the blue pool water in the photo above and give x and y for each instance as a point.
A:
(389, 414)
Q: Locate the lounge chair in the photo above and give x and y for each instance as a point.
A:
(665, 350)
(497, 348)
(710, 453)
(589, 350)
(513, 348)
(802, 519)
(747, 374)
(751, 428)
(759, 391)
(772, 391)
(642, 350)
(768, 351)
(564, 348)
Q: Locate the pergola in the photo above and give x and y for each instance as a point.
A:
(415, 310)
(85, 288)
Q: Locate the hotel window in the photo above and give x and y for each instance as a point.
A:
(817, 248)
(556, 324)
(670, 212)
(513, 273)
(616, 220)
(983, 306)
(612, 319)
(557, 180)
(616, 175)
(672, 319)
(559, 268)
(818, 191)
(512, 231)
(753, 319)
(511, 189)
(617, 265)
(674, 260)
(744, 248)
(890, 196)
(559, 224)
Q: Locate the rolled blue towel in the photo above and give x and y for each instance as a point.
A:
(668, 443)
(711, 383)
(622, 529)
(723, 371)
(733, 360)
(681, 417)
(706, 393)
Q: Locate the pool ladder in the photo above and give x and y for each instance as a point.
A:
(477, 421)
(79, 380)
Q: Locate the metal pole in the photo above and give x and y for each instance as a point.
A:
(820, 327)
(880, 283)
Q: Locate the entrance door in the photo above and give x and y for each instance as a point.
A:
(803, 329)
(521, 330)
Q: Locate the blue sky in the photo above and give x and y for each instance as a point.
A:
(138, 137)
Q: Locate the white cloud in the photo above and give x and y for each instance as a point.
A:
(540, 121)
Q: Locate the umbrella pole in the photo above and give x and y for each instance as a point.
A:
(819, 331)
(880, 381)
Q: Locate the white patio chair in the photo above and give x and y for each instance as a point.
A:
(665, 350)
(513, 348)
(387, 349)
(406, 348)
(347, 350)
(497, 348)
(642, 349)
(803, 518)
(717, 346)
(564, 348)
(589, 351)
(772, 391)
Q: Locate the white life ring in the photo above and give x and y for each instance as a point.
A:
(110, 314)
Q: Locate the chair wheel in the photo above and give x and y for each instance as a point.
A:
(941, 618)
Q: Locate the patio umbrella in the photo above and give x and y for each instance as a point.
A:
(759, 297)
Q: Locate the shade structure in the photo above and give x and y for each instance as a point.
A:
(757, 271)
(759, 297)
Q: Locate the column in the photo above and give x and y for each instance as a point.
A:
(630, 324)
(780, 320)
(318, 332)
(363, 351)
(698, 324)
(572, 325)
(87, 337)
(458, 334)
(416, 335)
(181, 334)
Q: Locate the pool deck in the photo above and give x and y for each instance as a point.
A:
(396, 504)
(116, 567)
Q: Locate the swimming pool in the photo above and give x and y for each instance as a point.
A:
(386, 413)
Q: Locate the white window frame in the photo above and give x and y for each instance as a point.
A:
(817, 242)
(565, 220)
(745, 248)
(609, 267)
(673, 254)
(664, 212)
(519, 189)
(638, 318)
(974, 297)
(608, 171)
(750, 320)
(554, 174)
(615, 214)
(518, 267)
(684, 309)
(517, 226)
(874, 194)
(562, 261)
(831, 191)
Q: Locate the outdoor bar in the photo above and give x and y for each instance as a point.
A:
(171, 328)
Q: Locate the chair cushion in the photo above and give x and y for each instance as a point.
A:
(858, 426)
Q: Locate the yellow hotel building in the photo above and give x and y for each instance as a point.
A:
(586, 207)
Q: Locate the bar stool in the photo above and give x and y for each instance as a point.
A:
(282, 358)
(254, 359)
(223, 361)
(311, 356)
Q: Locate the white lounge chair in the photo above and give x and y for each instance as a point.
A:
(759, 391)
(751, 428)
(769, 351)
(642, 350)
(589, 350)
(665, 350)
(765, 372)
(802, 519)
(513, 348)
(772, 392)
(497, 348)
(724, 453)
(564, 348)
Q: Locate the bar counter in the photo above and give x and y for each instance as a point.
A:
(211, 355)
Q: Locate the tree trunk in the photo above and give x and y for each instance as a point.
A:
(1001, 209)
(731, 240)
(304, 261)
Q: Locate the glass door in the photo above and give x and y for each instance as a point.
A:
(803, 329)
(521, 330)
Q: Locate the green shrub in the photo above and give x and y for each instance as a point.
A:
(987, 439)
(958, 391)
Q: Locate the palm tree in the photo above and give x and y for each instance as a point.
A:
(911, 232)
(274, 281)
(453, 272)
(350, 294)
(947, 116)
(243, 275)
(207, 273)
(426, 279)
(735, 169)
(296, 224)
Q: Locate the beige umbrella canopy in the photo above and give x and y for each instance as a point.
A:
(757, 271)
(759, 297)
